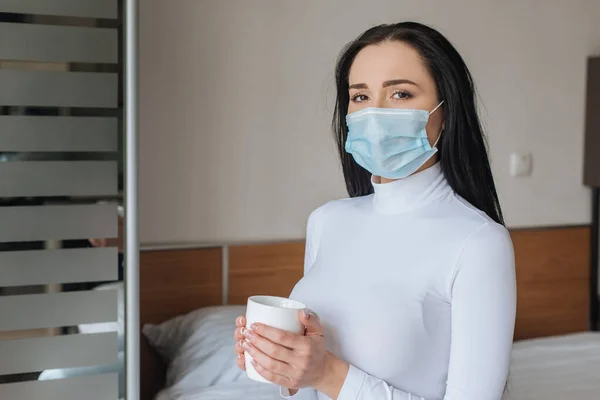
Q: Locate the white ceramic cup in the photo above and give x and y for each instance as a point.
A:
(277, 312)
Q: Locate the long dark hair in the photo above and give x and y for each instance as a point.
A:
(462, 146)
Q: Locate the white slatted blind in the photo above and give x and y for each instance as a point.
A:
(61, 134)
(59, 178)
(59, 187)
(53, 310)
(68, 351)
(62, 222)
(69, 8)
(58, 43)
(41, 267)
(58, 89)
(96, 387)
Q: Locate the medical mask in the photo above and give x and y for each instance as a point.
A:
(390, 142)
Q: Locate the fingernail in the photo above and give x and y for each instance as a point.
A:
(246, 345)
(239, 355)
(243, 330)
(254, 327)
(248, 334)
(241, 342)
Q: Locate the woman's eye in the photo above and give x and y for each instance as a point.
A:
(359, 98)
(401, 95)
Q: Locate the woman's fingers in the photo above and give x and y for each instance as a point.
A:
(279, 336)
(272, 349)
(274, 377)
(239, 347)
(241, 361)
(312, 324)
(238, 334)
(239, 354)
(240, 321)
(276, 366)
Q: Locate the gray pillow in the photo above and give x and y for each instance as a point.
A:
(198, 348)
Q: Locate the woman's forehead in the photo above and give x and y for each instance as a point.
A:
(376, 64)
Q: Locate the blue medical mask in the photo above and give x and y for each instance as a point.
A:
(390, 142)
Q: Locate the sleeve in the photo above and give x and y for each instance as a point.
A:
(302, 394)
(313, 238)
(483, 301)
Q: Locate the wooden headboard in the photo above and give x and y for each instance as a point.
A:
(552, 280)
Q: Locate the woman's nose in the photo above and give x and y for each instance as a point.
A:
(380, 102)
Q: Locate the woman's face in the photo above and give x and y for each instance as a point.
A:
(392, 75)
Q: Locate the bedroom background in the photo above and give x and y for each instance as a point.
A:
(61, 194)
(236, 99)
(235, 151)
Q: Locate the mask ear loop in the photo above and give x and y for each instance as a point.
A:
(441, 130)
(438, 138)
(436, 107)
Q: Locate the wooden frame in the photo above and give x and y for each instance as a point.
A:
(552, 281)
(278, 265)
(175, 282)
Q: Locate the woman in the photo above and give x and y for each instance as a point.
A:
(414, 285)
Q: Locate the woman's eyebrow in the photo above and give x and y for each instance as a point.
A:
(392, 82)
(358, 86)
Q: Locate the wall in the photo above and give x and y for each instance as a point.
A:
(236, 98)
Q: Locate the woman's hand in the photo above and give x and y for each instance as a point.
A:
(295, 361)
(240, 323)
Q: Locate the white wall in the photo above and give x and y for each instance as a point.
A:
(236, 98)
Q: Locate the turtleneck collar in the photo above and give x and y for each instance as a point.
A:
(410, 193)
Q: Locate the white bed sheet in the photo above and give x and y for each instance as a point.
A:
(556, 368)
(241, 390)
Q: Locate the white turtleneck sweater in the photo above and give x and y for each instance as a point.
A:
(416, 290)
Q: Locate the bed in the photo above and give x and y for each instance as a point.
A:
(555, 355)
(555, 368)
